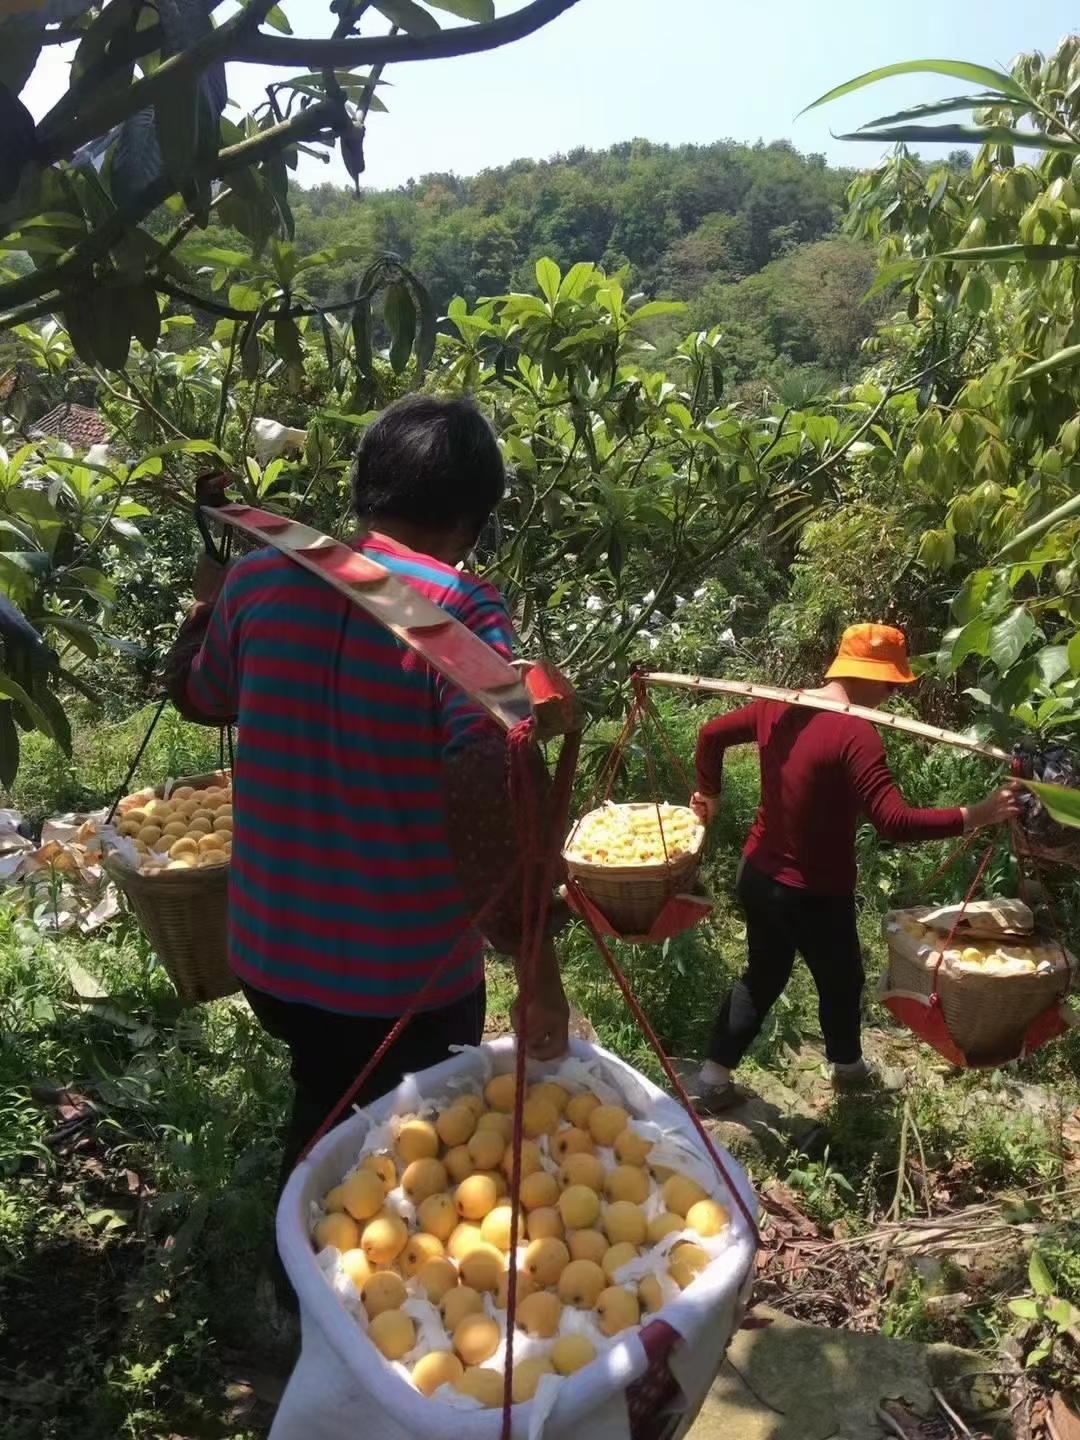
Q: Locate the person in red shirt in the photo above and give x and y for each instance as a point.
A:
(821, 774)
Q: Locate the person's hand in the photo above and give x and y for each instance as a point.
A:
(209, 578)
(705, 807)
(999, 807)
(548, 1034)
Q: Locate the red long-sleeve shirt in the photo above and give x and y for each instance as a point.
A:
(821, 773)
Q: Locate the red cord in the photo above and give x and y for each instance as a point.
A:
(413, 1010)
(955, 855)
(1049, 907)
(541, 853)
(983, 863)
(649, 708)
(669, 1070)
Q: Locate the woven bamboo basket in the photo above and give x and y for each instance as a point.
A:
(631, 897)
(987, 1015)
(185, 916)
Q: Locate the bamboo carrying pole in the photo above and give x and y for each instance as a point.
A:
(882, 718)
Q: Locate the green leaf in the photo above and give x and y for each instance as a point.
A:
(482, 11)
(549, 279)
(976, 293)
(1041, 527)
(250, 352)
(216, 255)
(411, 18)
(287, 342)
(18, 56)
(137, 167)
(94, 581)
(1009, 637)
(1038, 1354)
(58, 726)
(112, 327)
(996, 80)
(190, 447)
(969, 598)
(974, 639)
(942, 107)
(1062, 804)
(1053, 663)
(1039, 1276)
(13, 691)
(1062, 1314)
(399, 312)
(331, 255)
(1026, 1309)
(279, 20)
(79, 634)
(1059, 361)
(1010, 253)
(1074, 653)
(78, 317)
(656, 308)
(429, 322)
(965, 135)
(362, 345)
(144, 314)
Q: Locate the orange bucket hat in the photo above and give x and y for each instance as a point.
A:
(872, 652)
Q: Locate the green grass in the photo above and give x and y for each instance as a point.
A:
(131, 1256)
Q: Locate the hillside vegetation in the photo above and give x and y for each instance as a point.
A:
(747, 235)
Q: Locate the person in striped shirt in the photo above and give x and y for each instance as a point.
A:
(370, 810)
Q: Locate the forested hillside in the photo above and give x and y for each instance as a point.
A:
(745, 234)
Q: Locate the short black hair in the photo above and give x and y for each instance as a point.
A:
(433, 462)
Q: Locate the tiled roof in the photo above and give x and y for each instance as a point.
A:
(79, 426)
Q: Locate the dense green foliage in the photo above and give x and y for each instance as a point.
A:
(744, 234)
(677, 218)
(969, 486)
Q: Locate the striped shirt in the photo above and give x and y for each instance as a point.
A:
(343, 892)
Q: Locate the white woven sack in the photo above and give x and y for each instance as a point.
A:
(341, 1388)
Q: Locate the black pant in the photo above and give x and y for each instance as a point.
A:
(781, 920)
(329, 1050)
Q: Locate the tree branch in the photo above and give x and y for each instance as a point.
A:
(233, 312)
(59, 142)
(234, 41)
(263, 49)
(98, 244)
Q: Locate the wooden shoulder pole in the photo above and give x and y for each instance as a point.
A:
(882, 718)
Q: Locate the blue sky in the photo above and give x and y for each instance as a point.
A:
(667, 70)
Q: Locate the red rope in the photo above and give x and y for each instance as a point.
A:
(666, 1065)
(1049, 904)
(653, 714)
(610, 768)
(965, 844)
(981, 870)
(541, 852)
(417, 1005)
